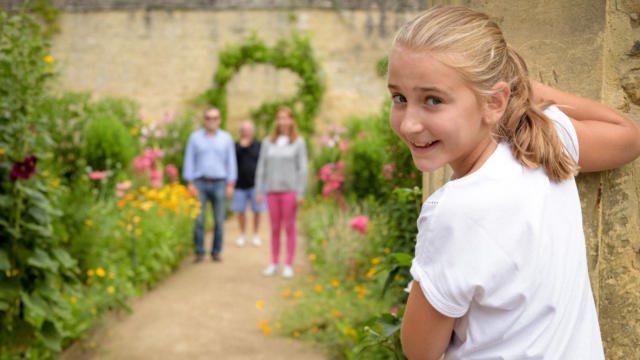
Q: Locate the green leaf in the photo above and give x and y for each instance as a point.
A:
(5, 264)
(35, 304)
(4, 306)
(51, 336)
(402, 259)
(41, 259)
(64, 258)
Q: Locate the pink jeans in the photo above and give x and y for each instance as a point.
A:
(282, 210)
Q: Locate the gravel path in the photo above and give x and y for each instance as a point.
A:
(203, 311)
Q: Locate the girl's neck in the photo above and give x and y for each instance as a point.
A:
(475, 159)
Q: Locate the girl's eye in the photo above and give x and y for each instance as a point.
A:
(398, 99)
(433, 101)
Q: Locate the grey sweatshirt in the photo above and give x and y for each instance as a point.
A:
(282, 168)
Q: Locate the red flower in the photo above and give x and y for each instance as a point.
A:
(24, 169)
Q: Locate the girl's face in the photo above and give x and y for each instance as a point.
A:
(436, 113)
(284, 122)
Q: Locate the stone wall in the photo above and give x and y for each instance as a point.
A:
(162, 53)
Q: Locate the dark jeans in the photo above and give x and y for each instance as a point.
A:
(215, 193)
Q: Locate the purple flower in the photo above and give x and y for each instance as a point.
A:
(24, 169)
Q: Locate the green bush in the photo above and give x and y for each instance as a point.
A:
(109, 143)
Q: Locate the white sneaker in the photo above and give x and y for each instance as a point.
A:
(256, 241)
(241, 241)
(287, 272)
(270, 270)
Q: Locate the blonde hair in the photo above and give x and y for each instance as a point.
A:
(293, 135)
(475, 47)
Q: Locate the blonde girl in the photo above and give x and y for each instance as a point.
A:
(500, 267)
(282, 173)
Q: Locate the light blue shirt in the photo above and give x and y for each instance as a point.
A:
(210, 156)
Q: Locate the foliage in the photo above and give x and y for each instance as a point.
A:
(108, 143)
(375, 160)
(294, 54)
(70, 249)
(34, 268)
(332, 305)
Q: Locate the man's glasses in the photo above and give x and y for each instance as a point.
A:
(212, 117)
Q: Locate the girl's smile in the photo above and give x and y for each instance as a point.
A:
(437, 113)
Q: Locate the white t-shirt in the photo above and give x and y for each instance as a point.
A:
(503, 251)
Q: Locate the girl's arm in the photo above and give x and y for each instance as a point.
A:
(426, 333)
(606, 138)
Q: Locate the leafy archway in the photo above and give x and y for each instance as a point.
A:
(295, 54)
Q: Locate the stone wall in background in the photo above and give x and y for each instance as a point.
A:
(163, 52)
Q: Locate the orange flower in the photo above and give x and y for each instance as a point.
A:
(336, 313)
(318, 288)
(286, 293)
(371, 272)
(334, 282)
(312, 257)
(375, 261)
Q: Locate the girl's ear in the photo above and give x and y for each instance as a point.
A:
(496, 103)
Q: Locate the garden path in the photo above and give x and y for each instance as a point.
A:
(203, 311)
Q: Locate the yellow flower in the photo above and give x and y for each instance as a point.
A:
(146, 205)
(312, 257)
(49, 59)
(2, 151)
(371, 272)
(134, 131)
(100, 272)
(94, 311)
(54, 183)
(387, 251)
(45, 173)
(375, 261)
(338, 292)
(74, 300)
(136, 219)
(138, 232)
(111, 290)
(129, 227)
(334, 282)
(111, 275)
(259, 304)
(336, 313)
(266, 330)
(278, 325)
(89, 281)
(318, 288)
(90, 272)
(296, 333)
(88, 222)
(8, 273)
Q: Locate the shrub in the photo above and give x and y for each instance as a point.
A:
(109, 144)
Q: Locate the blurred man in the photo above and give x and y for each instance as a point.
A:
(210, 170)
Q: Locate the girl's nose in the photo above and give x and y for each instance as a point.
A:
(411, 123)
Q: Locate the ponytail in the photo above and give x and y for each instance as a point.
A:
(531, 134)
(474, 45)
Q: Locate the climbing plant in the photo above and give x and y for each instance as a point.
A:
(292, 53)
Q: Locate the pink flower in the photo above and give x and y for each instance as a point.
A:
(172, 171)
(120, 193)
(360, 223)
(325, 172)
(344, 145)
(155, 174)
(361, 135)
(394, 311)
(123, 185)
(158, 153)
(340, 165)
(98, 175)
(156, 183)
(388, 170)
(324, 141)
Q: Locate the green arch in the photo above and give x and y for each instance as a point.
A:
(295, 54)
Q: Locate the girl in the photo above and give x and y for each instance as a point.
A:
(282, 170)
(500, 268)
